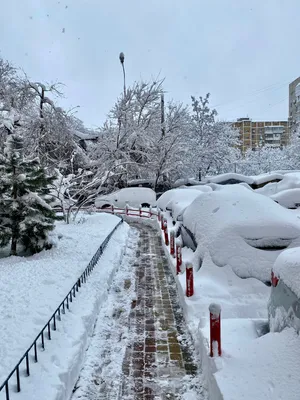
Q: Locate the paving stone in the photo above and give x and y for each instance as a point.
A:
(156, 320)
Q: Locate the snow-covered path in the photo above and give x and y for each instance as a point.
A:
(140, 347)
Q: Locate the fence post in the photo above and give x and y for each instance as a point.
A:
(150, 212)
(112, 209)
(172, 243)
(189, 279)
(178, 258)
(140, 211)
(162, 221)
(166, 232)
(126, 209)
(215, 329)
(158, 215)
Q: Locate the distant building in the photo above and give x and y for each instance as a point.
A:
(294, 104)
(255, 134)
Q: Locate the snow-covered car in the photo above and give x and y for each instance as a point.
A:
(240, 228)
(289, 181)
(176, 200)
(284, 303)
(134, 197)
(289, 198)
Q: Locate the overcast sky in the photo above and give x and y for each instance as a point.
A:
(244, 52)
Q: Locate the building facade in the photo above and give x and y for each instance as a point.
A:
(294, 104)
(255, 134)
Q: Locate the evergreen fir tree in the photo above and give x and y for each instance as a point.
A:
(26, 216)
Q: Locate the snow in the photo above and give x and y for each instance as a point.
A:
(40, 283)
(134, 197)
(289, 198)
(202, 188)
(287, 268)
(262, 368)
(233, 223)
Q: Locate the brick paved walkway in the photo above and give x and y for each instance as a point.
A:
(157, 363)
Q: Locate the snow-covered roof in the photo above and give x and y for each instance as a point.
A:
(229, 177)
(137, 182)
(186, 181)
(84, 136)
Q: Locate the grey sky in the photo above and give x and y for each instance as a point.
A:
(244, 52)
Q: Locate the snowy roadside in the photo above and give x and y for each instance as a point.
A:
(101, 375)
(31, 289)
(251, 366)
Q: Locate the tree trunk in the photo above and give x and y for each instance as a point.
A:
(15, 225)
(13, 247)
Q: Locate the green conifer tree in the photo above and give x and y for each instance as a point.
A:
(26, 216)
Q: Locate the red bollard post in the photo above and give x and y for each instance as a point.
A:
(166, 233)
(126, 209)
(178, 259)
(150, 212)
(215, 330)
(172, 243)
(189, 279)
(162, 221)
(140, 211)
(112, 209)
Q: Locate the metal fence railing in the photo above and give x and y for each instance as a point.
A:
(45, 333)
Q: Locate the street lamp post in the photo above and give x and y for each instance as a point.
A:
(122, 58)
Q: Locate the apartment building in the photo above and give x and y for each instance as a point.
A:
(294, 104)
(254, 134)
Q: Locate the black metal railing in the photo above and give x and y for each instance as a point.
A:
(51, 324)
